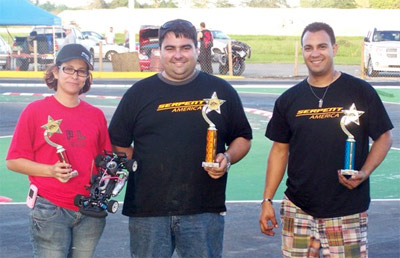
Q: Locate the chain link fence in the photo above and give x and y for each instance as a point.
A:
(37, 52)
(34, 52)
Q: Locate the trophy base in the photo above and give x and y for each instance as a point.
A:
(210, 164)
(348, 172)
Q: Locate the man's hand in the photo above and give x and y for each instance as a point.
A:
(353, 181)
(218, 172)
(267, 219)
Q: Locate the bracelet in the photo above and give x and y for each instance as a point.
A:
(266, 200)
(228, 161)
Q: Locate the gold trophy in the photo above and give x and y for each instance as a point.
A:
(351, 115)
(51, 128)
(212, 104)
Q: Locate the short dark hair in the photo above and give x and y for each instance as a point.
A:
(181, 28)
(318, 26)
(51, 81)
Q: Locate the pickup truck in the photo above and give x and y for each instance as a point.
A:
(47, 47)
(382, 51)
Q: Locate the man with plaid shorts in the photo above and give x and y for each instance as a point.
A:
(323, 211)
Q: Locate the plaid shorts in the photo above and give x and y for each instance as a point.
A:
(306, 236)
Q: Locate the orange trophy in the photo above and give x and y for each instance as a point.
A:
(52, 127)
(212, 104)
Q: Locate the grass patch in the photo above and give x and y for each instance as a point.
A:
(282, 49)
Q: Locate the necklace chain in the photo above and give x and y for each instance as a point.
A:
(320, 100)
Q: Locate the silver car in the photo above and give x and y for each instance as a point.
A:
(5, 54)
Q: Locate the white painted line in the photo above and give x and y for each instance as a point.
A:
(258, 112)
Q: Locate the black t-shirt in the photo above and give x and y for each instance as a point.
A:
(164, 121)
(317, 143)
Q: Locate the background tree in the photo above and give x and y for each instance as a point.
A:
(47, 6)
(387, 4)
(168, 4)
(98, 4)
(201, 3)
(362, 3)
(118, 3)
(267, 3)
(224, 4)
(342, 4)
(55, 9)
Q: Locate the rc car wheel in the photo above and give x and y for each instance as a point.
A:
(131, 165)
(112, 206)
(134, 166)
(77, 200)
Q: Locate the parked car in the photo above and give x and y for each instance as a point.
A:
(5, 54)
(97, 37)
(148, 44)
(108, 50)
(382, 51)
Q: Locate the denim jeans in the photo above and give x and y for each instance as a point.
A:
(198, 235)
(58, 233)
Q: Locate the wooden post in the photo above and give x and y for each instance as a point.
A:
(296, 59)
(35, 59)
(230, 58)
(362, 67)
(54, 45)
(100, 56)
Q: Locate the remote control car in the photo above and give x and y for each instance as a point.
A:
(110, 180)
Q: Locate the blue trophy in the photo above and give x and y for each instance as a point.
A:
(351, 115)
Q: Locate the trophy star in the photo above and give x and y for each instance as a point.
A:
(352, 115)
(52, 126)
(214, 103)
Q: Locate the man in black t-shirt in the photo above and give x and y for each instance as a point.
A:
(323, 211)
(171, 200)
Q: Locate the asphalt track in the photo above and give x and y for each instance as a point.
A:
(242, 234)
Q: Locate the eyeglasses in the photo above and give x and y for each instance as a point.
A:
(70, 70)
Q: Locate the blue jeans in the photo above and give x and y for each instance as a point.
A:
(58, 233)
(198, 235)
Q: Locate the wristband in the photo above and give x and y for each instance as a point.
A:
(266, 200)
